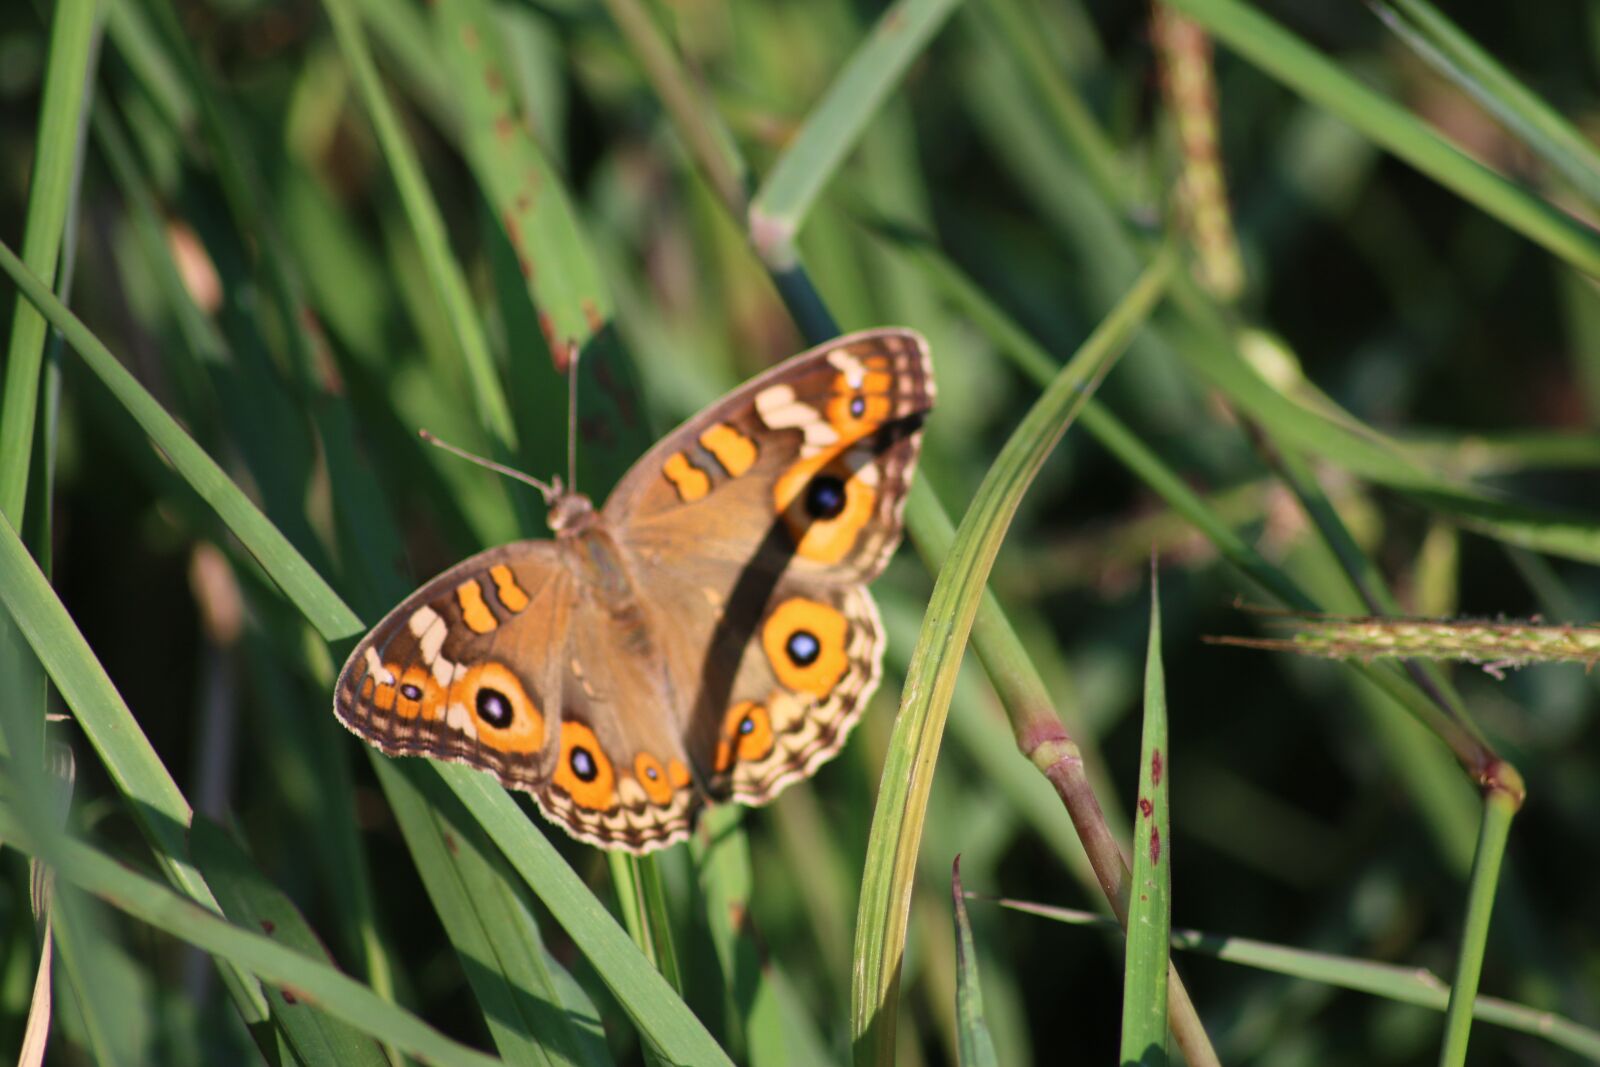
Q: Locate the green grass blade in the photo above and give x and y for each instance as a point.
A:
(253, 903)
(1458, 57)
(972, 1029)
(641, 990)
(448, 282)
(299, 581)
(1499, 808)
(836, 124)
(930, 679)
(51, 185)
(309, 980)
(533, 1010)
(1311, 74)
(1397, 982)
(1144, 986)
(530, 204)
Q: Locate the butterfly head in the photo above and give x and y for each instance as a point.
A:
(570, 511)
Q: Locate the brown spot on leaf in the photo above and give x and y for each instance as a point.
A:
(591, 315)
(288, 997)
(492, 78)
(1155, 846)
(1145, 807)
(451, 844)
(469, 37)
(558, 351)
(1155, 766)
(267, 926)
(504, 127)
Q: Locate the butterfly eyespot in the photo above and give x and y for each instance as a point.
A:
(858, 406)
(747, 735)
(653, 777)
(411, 692)
(825, 497)
(501, 712)
(806, 645)
(493, 707)
(802, 648)
(583, 770)
(415, 692)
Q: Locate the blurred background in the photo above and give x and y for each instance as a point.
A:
(230, 145)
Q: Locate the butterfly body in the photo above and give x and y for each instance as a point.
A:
(706, 635)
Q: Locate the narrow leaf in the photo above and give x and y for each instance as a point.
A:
(973, 1042)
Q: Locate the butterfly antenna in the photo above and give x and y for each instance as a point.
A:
(572, 415)
(546, 490)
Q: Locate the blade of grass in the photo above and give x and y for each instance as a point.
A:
(250, 901)
(1144, 987)
(428, 227)
(1501, 802)
(308, 979)
(298, 580)
(1443, 45)
(972, 1029)
(930, 678)
(526, 998)
(836, 124)
(1294, 63)
(562, 277)
(640, 989)
(51, 185)
(1399, 983)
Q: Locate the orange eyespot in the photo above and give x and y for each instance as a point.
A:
(748, 729)
(506, 718)
(583, 769)
(855, 411)
(804, 641)
(653, 777)
(825, 502)
(417, 693)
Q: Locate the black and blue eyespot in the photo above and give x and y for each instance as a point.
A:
(825, 497)
(494, 708)
(583, 765)
(803, 648)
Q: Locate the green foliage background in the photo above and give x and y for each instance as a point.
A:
(308, 229)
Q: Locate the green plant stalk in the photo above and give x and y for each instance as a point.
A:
(428, 227)
(1495, 644)
(834, 126)
(972, 1029)
(642, 900)
(1458, 57)
(297, 578)
(1500, 804)
(1402, 984)
(930, 678)
(50, 187)
(1144, 988)
(1311, 74)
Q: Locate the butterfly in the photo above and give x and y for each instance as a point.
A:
(706, 635)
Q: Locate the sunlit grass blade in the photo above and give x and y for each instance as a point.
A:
(253, 903)
(1458, 57)
(972, 1029)
(445, 274)
(533, 1009)
(836, 123)
(930, 679)
(308, 979)
(1305, 70)
(1397, 982)
(529, 201)
(66, 90)
(298, 580)
(644, 994)
(1144, 986)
